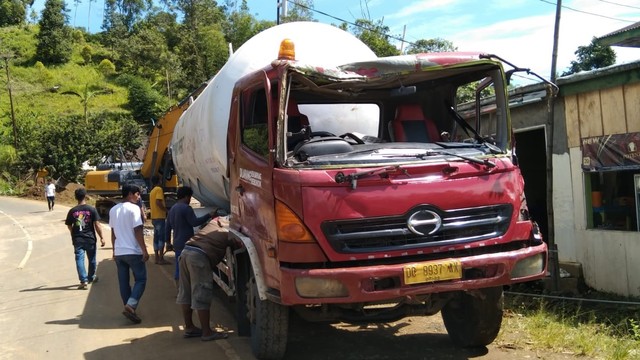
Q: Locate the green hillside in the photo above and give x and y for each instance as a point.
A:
(80, 97)
(39, 89)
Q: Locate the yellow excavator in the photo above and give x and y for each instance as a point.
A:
(106, 181)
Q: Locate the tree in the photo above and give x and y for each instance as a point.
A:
(124, 13)
(144, 102)
(300, 10)
(376, 36)
(75, 12)
(242, 26)
(86, 95)
(140, 53)
(54, 39)
(40, 145)
(431, 45)
(201, 43)
(12, 12)
(591, 57)
(214, 51)
(200, 13)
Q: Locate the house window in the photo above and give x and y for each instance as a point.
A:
(612, 179)
(612, 200)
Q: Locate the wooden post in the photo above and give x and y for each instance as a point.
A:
(553, 247)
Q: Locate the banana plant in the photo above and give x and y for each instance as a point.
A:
(87, 95)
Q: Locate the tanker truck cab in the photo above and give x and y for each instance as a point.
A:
(376, 190)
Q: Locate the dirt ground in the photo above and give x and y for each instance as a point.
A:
(63, 195)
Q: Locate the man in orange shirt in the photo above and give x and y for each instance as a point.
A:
(158, 219)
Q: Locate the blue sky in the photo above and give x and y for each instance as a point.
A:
(520, 31)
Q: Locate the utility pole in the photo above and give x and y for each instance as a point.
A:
(282, 8)
(404, 31)
(6, 57)
(553, 247)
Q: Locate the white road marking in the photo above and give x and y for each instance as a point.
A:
(27, 255)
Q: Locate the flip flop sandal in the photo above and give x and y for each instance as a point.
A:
(215, 336)
(192, 333)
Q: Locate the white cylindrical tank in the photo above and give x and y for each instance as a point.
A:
(199, 143)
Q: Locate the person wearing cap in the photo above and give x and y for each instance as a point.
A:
(82, 221)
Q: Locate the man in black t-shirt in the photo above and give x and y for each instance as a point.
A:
(82, 221)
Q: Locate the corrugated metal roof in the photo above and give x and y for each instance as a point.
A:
(628, 36)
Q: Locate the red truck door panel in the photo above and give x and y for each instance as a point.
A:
(251, 179)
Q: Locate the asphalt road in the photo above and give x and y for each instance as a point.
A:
(44, 316)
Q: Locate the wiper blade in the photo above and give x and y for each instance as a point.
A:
(353, 178)
(484, 162)
(468, 128)
(493, 148)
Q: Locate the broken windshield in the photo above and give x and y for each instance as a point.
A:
(439, 112)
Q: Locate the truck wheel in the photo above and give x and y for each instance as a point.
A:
(474, 321)
(242, 310)
(269, 324)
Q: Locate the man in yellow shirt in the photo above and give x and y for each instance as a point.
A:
(158, 219)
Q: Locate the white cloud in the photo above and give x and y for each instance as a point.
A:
(418, 7)
(525, 41)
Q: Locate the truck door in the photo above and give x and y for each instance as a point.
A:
(251, 171)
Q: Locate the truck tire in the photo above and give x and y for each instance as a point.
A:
(474, 321)
(269, 324)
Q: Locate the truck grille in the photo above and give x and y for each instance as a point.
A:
(423, 225)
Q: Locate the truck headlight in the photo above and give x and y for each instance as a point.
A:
(320, 288)
(529, 266)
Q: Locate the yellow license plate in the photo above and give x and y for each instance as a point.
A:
(432, 271)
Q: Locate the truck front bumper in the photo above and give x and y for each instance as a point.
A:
(376, 283)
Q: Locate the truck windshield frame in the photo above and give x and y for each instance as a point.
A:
(365, 114)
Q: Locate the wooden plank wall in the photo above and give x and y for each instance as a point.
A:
(602, 112)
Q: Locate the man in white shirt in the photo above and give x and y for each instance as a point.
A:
(50, 193)
(129, 250)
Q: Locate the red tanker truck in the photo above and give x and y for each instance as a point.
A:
(361, 189)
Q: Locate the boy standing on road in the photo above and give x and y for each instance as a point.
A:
(50, 193)
(158, 219)
(129, 250)
(82, 221)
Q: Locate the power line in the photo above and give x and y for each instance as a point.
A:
(350, 23)
(586, 12)
(623, 5)
(413, 44)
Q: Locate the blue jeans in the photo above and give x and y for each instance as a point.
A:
(158, 234)
(90, 251)
(124, 263)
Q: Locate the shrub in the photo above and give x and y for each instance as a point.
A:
(86, 52)
(106, 67)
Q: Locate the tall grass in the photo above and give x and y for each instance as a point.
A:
(592, 330)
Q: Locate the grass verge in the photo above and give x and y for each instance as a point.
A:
(583, 328)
